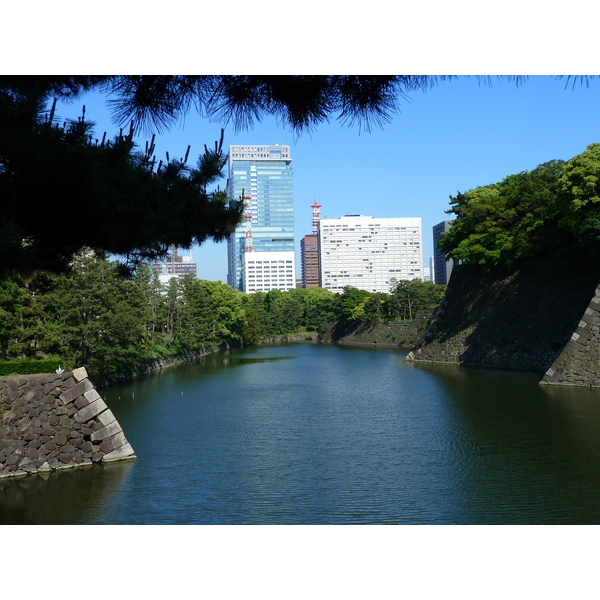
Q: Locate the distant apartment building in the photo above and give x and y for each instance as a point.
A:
(367, 252)
(442, 267)
(263, 176)
(175, 265)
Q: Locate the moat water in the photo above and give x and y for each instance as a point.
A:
(311, 434)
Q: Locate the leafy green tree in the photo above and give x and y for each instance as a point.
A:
(410, 295)
(500, 224)
(351, 303)
(170, 313)
(227, 315)
(153, 296)
(27, 327)
(318, 307)
(251, 327)
(375, 307)
(101, 318)
(579, 198)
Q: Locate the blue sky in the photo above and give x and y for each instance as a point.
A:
(455, 136)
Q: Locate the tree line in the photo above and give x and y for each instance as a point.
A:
(113, 322)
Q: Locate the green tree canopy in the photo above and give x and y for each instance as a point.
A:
(579, 197)
(519, 217)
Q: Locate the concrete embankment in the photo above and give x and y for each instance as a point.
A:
(51, 422)
(542, 317)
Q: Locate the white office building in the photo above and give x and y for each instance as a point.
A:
(367, 252)
(265, 271)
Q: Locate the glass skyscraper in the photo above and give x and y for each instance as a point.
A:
(263, 176)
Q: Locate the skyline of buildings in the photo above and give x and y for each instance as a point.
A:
(261, 175)
(358, 250)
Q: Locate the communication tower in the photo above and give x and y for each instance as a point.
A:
(248, 217)
(316, 216)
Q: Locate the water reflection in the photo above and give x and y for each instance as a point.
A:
(63, 497)
(523, 453)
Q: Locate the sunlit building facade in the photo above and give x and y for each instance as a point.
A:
(367, 252)
(266, 271)
(263, 175)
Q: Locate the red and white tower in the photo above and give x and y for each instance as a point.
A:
(316, 216)
(248, 217)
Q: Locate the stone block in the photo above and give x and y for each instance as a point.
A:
(584, 334)
(77, 390)
(107, 431)
(592, 311)
(125, 451)
(79, 374)
(106, 418)
(69, 382)
(118, 440)
(106, 446)
(92, 395)
(95, 408)
(60, 439)
(81, 402)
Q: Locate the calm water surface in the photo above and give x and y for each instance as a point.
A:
(307, 434)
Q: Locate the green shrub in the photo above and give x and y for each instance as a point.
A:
(29, 366)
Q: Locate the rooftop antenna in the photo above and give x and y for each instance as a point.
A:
(316, 216)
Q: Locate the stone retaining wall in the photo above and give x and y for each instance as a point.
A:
(521, 320)
(51, 422)
(394, 333)
(310, 337)
(579, 362)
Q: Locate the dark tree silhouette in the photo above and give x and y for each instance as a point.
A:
(61, 189)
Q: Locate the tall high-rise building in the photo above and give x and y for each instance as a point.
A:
(442, 267)
(263, 176)
(366, 252)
